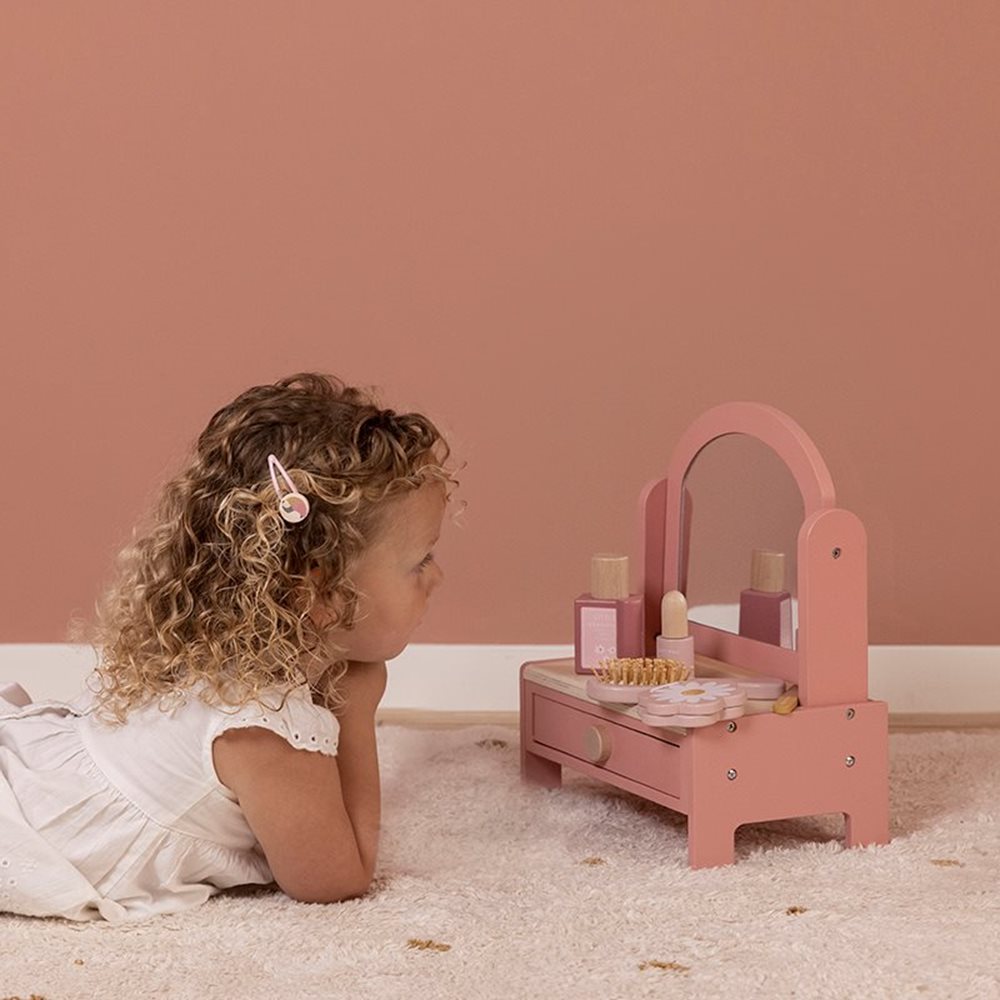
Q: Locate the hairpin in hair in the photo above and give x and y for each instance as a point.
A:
(293, 506)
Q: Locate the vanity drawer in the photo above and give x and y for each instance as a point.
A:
(611, 747)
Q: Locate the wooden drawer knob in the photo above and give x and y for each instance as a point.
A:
(597, 744)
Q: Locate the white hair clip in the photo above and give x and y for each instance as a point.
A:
(293, 506)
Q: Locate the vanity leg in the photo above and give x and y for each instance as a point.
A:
(710, 843)
(540, 770)
(868, 825)
(866, 818)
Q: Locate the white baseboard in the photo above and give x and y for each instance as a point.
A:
(46, 670)
(920, 683)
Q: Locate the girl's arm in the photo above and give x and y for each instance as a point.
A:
(357, 755)
(316, 817)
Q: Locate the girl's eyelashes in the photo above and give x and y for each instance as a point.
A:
(426, 561)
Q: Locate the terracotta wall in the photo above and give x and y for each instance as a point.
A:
(564, 229)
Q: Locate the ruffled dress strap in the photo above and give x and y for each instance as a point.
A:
(294, 718)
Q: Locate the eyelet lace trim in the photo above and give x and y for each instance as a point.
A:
(299, 739)
(10, 871)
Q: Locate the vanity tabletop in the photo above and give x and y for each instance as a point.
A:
(559, 675)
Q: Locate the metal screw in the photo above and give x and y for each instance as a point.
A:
(850, 761)
(731, 728)
(731, 774)
(850, 713)
(836, 552)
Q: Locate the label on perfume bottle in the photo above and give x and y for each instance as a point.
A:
(598, 635)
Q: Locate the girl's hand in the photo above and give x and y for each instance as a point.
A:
(362, 687)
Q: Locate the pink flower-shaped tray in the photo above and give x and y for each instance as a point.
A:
(692, 703)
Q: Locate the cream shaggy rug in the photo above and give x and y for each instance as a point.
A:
(488, 889)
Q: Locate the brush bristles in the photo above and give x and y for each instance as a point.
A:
(641, 671)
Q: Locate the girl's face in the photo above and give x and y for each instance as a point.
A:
(395, 576)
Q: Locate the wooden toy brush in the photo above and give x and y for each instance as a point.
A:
(621, 681)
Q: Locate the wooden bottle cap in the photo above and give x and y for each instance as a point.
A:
(767, 571)
(609, 576)
(674, 615)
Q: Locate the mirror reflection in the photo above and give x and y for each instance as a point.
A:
(744, 510)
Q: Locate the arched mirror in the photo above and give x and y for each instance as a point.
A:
(743, 511)
(694, 546)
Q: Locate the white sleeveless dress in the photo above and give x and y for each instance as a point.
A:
(124, 822)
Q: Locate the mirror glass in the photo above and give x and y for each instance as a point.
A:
(739, 496)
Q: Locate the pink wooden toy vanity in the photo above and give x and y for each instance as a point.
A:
(830, 755)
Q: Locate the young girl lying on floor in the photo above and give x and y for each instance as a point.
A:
(227, 736)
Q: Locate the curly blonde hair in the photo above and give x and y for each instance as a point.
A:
(218, 588)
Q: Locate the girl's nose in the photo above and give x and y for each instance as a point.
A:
(436, 578)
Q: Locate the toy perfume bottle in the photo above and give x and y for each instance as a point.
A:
(674, 642)
(609, 618)
(766, 607)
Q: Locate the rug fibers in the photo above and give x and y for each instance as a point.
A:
(487, 888)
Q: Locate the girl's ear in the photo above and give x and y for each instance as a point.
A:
(314, 576)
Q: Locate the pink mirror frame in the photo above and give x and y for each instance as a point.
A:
(830, 661)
